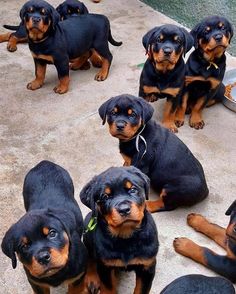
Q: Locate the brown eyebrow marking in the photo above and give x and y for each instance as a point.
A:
(128, 184)
(45, 231)
(107, 190)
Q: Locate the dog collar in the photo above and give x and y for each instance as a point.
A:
(91, 224)
(214, 64)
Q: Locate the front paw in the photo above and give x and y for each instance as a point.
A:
(60, 89)
(196, 221)
(171, 126)
(182, 245)
(34, 85)
(11, 48)
(196, 124)
(179, 123)
(101, 76)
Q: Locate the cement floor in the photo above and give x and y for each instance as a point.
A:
(67, 130)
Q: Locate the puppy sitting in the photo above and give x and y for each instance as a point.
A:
(47, 239)
(174, 172)
(205, 69)
(164, 70)
(71, 40)
(124, 235)
(226, 238)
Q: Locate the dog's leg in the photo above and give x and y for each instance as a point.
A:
(80, 62)
(96, 59)
(144, 278)
(169, 117)
(62, 67)
(196, 120)
(13, 40)
(108, 279)
(180, 112)
(40, 71)
(222, 265)
(127, 160)
(213, 231)
(5, 37)
(91, 281)
(157, 205)
(106, 57)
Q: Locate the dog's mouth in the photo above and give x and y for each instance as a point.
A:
(218, 46)
(50, 272)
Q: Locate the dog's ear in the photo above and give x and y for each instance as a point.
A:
(195, 33)
(230, 29)
(60, 10)
(88, 194)
(147, 110)
(145, 179)
(54, 15)
(83, 9)
(23, 11)
(188, 40)
(148, 38)
(8, 245)
(103, 109)
(67, 219)
(231, 208)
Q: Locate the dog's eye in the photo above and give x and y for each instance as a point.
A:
(43, 11)
(234, 229)
(24, 246)
(133, 190)
(113, 112)
(104, 196)
(52, 234)
(159, 39)
(222, 27)
(133, 114)
(30, 9)
(178, 40)
(207, 30)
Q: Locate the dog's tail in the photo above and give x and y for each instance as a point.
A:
(112, 41)
(12, 28)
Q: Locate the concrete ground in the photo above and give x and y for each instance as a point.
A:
(66, 129)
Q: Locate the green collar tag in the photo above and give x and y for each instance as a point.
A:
(91, 225)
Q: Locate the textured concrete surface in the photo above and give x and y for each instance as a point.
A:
(67, 130)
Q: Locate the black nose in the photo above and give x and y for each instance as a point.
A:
(36, 19)
(120, 125)
(218, 37)
(167, 51)
(44, 257)
(124, 208)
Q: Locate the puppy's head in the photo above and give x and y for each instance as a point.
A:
(125, 115)
(231, 229)
(39, 18)
(71, 8)
(117, 196)
(41, 240)
(212, 36)
(166, 44)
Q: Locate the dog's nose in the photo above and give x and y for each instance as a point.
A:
(218, 37)
(124, 209)
(44, 257)
(120, 125)
(167, 51)
(36, 19)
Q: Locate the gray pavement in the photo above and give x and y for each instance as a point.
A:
(67, 130)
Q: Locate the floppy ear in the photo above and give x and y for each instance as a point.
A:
(23, 11)
(147, 110)
(8, 245)
(231, 30)
(55, 16)
(84, 9)
(67, 219)
(143, 177)
(103, 110)
(188, 40)
(194, 33)
(231, 208)
(148, 38)
(88, 193)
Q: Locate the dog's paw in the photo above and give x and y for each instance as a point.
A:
(196, 221)
(34, 85)
(182, 245)
(11, 48)
(60, 89)
(196, 124)
(179, 123)
(100, 76)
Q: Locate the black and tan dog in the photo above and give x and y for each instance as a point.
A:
(66, 9)
(205, 69)
(199, 284)
(174, 172)
(47, 239)
(164, 70)
(125, 235)
(226, 238)
(71, 40)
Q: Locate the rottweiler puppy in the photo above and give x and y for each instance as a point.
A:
(164, 70)
(124, 235)
(47, 239)
(226, 238)
(66, 9)
(58, 43)
(174, 172)
(205, 69)
(199, 284)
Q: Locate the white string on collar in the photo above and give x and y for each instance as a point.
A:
(138, 137)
